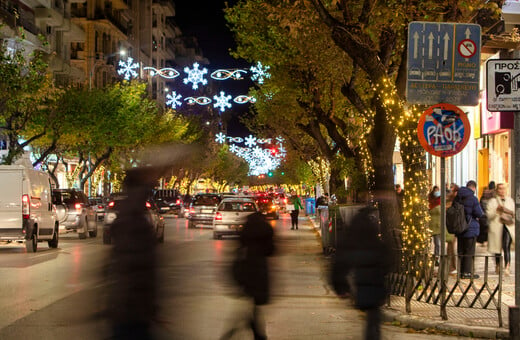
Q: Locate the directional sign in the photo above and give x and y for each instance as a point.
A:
(503, 84)
(443, 130)
(443, 63)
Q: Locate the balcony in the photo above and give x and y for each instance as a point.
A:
(49, 15)
(7, 17)
(107, 15)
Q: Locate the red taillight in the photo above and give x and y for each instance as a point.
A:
(192, 210)
(218, 217)
(111, 204)
(100, 207)
(148, 205)
(26, 210)
(285, 200)
(78, 206)
(178, 202)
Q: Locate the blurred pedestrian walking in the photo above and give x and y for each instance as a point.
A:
(251, 271)
(364, 253)
(488, 194)
(501, 214)
(132, 266)
(434, 207)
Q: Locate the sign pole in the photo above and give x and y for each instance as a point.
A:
(516, 170)
(443, 264)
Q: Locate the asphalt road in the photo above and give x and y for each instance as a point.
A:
(62, 293)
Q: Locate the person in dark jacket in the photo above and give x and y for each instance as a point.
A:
(467, 240)
(364, 252)
(256, 244)
(488, 194)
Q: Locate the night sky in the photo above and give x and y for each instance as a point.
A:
(205, 21)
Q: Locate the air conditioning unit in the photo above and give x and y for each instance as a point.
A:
(511, 14)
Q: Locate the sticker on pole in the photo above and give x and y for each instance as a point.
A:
(443, 130)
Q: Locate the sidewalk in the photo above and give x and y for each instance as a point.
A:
(471, 322)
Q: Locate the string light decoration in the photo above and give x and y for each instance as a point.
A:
(415, 217)
(128, 68)
(223, 74)
(167, 72)
(222, 101)
(173, 100)
(260, 160)
(195, 76)
(260, 72)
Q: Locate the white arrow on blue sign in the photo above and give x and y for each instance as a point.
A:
(443, 63)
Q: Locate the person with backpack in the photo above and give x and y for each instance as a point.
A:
(466, 240)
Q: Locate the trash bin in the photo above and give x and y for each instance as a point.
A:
(310, 206)
(334, 221)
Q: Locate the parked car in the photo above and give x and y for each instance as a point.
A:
(26, 210)
(231, 216)
(168, 201)
(268, 207)
(112, 210)
(202, 209)
(98, 204)
(74, 212)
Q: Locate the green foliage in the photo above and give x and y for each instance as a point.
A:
(24, 95)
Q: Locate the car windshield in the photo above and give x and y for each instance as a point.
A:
(206, 200)
(237, 206)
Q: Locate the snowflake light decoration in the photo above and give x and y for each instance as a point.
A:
(195, 76)
(222, 101)
(250, 141)
(220, 138)
(128, 68)
(259, 72)
(173, 100)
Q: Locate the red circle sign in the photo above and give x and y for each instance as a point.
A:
(467, 48)
(443, 130)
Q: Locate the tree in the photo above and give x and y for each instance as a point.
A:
(371, 39)
(306, 78)
(109, 126)
(25, 96)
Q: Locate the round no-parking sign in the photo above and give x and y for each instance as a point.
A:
(443, 130)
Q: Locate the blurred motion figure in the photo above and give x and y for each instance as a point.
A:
(251, 270)
(364, 254)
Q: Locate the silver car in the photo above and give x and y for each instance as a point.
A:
(231, 216)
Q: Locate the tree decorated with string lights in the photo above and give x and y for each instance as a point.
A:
(372, 39)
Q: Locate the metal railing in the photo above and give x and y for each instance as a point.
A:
(425, 285)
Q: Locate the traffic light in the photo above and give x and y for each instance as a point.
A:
(274, 151)
(270, 174)
(283, 173)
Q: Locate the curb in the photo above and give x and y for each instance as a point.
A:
(419, 323)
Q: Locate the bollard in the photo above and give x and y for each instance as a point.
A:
(514, 323)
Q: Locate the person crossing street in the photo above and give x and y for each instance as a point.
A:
(297, 205)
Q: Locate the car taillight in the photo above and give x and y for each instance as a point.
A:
(78, 206)
(218, 217)
(148, 205)
(192, 210)
(111, 204)
(285, 200)
(178, 202)
(100, 207)
(26, 210)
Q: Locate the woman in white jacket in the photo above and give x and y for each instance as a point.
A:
(501, 216)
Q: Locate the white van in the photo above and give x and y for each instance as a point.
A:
(26, 209)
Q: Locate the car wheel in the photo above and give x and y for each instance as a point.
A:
(93, 233)
(32, 244)
(191, 224)
(83, 233)
(55, 238)
(217, 236)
